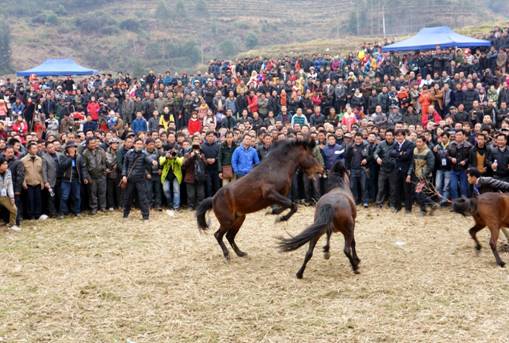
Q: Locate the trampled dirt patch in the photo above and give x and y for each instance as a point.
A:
(100, 279)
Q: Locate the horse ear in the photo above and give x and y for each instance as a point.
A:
(311, 144)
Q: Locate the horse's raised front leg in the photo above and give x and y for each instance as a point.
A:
(473, 233)
(282, 201)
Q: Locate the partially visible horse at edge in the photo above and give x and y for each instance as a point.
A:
(267, 184)
(488, 209)
(335, 212)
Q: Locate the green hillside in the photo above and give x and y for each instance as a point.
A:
(160, 34)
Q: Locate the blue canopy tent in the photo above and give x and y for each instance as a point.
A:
(58, 67)
(429, 38)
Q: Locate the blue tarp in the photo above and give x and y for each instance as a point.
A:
(429, 38)
(58, 67)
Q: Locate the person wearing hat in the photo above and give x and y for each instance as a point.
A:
(71, 167)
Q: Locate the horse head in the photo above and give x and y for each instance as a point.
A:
(307, 161)
(338, 176)
(464, 206)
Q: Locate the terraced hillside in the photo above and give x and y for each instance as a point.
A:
(177, 34)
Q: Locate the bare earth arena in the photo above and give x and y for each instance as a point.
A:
(101, 279)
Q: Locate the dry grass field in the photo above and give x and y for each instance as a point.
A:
(102, 279)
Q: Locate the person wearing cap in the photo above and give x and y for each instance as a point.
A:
(395, 116)
(70, 187)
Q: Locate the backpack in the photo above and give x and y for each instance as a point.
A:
(199, 170)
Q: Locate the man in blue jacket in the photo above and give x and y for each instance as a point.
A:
(244, 158)
(333, 152)
(139, 124)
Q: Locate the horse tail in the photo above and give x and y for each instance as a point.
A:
(201, 211)
(465, 206)
(321, 225)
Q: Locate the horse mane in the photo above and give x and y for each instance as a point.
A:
(282, 148)
(336, 177)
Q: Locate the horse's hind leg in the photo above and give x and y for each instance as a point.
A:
(348, 250)
(230, 235)
(473, 233)
(219, 237)
(356, 258)
(493, 244)
(326, 247)
(309, 254)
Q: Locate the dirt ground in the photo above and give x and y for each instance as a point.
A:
(102, 279)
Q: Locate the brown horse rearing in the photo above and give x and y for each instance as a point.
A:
(335, 212)
(267, 184)
(488, 209)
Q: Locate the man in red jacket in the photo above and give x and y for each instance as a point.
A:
(93, 108)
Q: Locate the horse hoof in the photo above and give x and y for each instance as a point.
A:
(242, 254)
(356, 272)
(477, 247)
(326, 255)
(502, 264)
(299, 275)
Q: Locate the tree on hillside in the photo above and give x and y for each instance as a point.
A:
(5, 48)
(180, 10)
(251, 40)
(162, 11)
(227, 48)
(201, 8)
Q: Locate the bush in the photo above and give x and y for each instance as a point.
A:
(251, 40)
(227, 48)
(96, 23)
(130, 25)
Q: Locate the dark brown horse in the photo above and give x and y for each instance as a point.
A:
(267, 184)
(488, 209)
(335, 212)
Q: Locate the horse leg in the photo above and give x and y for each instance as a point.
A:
(326, 247)
(354, 252)
(309, 254)
(493, 244)
(219, 237)
(473, 233)
(276, 210)
(348, 250)
(287, 216)
(283, 201)
(230, 235)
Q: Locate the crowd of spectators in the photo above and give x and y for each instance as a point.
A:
(407, 126)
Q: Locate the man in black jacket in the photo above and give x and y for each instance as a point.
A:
(386, 164)
(18, 176)
(402, 153)
(137, 166)
(71, 169)
(356, 161)
(499, 158)
(211, 151)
